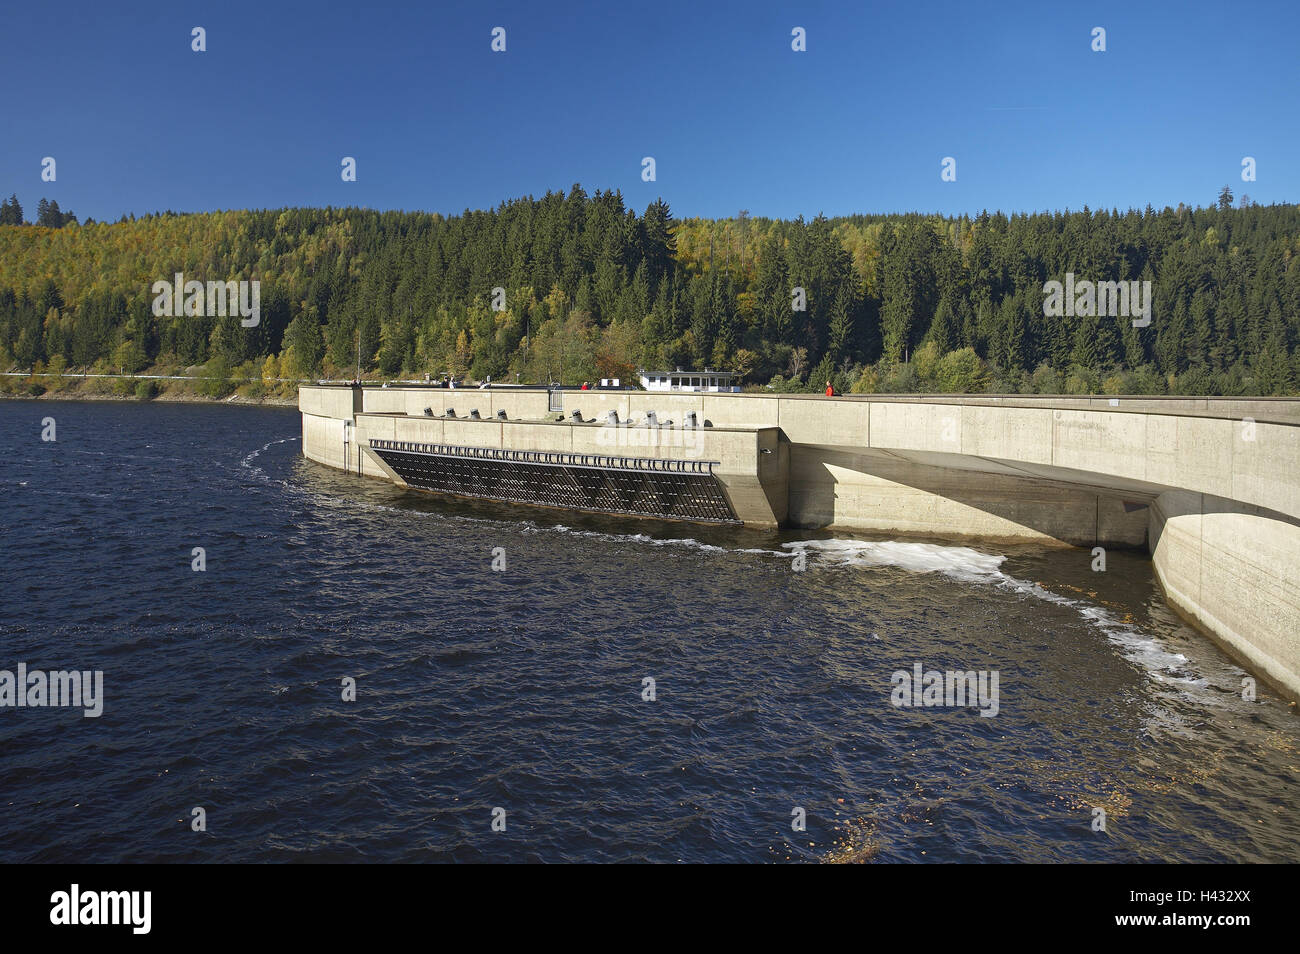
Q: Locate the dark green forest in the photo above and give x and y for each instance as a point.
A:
(591, 288)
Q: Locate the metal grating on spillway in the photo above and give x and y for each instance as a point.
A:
(640, 486)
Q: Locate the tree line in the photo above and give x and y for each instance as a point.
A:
(579, 286)
(48, 214)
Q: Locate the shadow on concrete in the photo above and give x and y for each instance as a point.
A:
(904, 496)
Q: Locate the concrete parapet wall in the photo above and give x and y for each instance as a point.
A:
(487, 401)
(1173, 444)
(332, 402)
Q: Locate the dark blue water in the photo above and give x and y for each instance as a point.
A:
(521, 689)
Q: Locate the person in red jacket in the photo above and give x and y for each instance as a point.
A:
(586, 386)
(830, 391)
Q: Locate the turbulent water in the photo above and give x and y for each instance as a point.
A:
(518, 696)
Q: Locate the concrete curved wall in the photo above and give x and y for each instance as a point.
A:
(1234, 570)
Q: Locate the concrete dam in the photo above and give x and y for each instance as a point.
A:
(1209, 486)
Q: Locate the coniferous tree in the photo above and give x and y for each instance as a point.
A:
(11, 213)
(943, 330)
(841, 331)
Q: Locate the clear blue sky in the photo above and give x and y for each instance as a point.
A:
(734, 118)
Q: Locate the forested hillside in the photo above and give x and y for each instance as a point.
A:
(592, 289)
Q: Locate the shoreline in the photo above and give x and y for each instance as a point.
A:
(164, 398)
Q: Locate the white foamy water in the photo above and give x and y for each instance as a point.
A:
(963, 564)
(247, 462)
(973, 566)
(959, 563)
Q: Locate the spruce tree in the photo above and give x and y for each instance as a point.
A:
(11, 213)
(943, 331)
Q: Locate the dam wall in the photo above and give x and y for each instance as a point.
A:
(750, 463)
(1210, 486)
(1234, 571)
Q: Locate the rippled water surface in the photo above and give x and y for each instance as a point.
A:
(522, 689)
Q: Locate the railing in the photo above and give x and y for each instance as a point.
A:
(554, 458)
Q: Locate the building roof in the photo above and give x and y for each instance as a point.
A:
(680, 371)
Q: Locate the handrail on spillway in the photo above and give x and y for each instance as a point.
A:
(553, 458)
